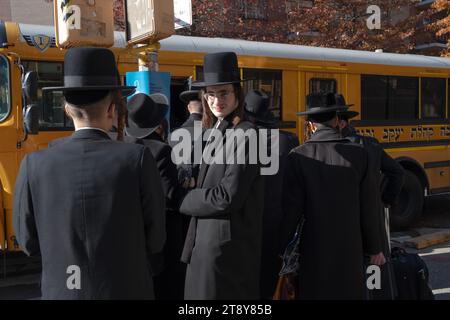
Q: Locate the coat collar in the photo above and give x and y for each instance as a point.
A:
(195, 116)
(327, 134)
(93, 134)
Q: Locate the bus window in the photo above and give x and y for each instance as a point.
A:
(374, 97)
(268, 81)
(389, 97)
(4, 88)
(403, 99)
(317, 85)
(50, 74)
(433, 98)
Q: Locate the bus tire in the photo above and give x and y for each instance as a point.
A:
(410, 203)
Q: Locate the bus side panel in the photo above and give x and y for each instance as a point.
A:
(2, 220)
(178, 71)
(435, 162)
(352, 91)
(292, 96)
(8, 173)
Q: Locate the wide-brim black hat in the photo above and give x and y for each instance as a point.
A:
(348, 114)
(257, 108)
(145, 113)
(219, 69)
(91, 69)
(321, 103)
(190, 95)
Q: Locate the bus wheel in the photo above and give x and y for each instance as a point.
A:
(410, 203)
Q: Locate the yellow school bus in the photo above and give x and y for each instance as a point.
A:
(402, 99)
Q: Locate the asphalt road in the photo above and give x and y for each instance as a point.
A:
(437, 259)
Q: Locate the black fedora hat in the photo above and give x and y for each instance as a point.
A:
(257, 107)
(320, 103)
(91, 69)
(347, 114)
(145, 113)
(219, 69)
(190, 94)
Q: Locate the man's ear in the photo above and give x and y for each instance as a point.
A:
(67, 111)
(112, 110)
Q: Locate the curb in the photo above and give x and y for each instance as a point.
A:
(428, 240)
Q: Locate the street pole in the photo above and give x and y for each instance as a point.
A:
(148, 57)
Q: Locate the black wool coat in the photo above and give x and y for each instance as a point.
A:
(169, 283)
(331, 186)
(273, 214)
(388, 177)
(223, 245)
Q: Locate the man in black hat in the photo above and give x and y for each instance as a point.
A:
(257, 111)
(191, 97)
(381, 164)
(223, 244)
(330, 186)
(188, 172)
(100, 216)
(145, 115)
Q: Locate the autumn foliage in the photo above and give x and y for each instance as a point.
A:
(329, 23)
(441, 8)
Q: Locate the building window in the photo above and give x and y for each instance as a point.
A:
(433, 98)
(389, 98)
(294, 5)
(317, 85)
(5, 103)
(268, 81)
(252, 9)
(51, 103)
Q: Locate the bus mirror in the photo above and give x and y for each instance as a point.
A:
(31, 119)
(30, 86)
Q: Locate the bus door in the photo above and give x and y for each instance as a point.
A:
(319, 82)
(323, 83)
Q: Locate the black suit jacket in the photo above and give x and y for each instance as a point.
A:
(95, 204)
(169, 283)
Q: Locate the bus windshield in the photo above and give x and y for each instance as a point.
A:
(5, 104)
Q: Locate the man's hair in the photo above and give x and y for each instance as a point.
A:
(91, 111)
(323, 118)
(195, 106)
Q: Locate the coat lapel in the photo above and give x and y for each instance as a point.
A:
(210, 145)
